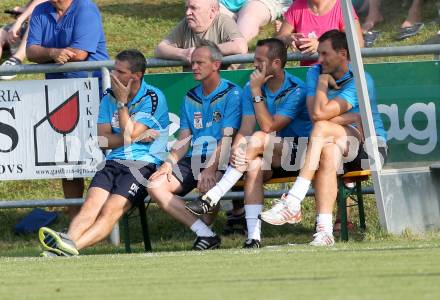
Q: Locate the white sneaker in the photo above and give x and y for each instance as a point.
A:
(281, 213)
(323, 239)
(11, 61)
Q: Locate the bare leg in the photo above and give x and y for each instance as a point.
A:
(163, 193)
(96, 197)
(251, 17)
(3, 40)
(73, 189)
(111, 212)
(374, 16)
(323, 133)
(325, 182)
(414, 14)
(21, 50)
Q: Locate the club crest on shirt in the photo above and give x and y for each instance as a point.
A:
(198, 123)
(216, 116)
(115, 120)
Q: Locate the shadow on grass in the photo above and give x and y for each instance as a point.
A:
(162, 10)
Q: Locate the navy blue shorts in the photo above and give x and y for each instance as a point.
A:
(292, 170)
(127, 179)
(356, 164)
(186, 175)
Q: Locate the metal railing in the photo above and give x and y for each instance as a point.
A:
(231, 59)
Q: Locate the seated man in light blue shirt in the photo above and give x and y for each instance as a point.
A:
(209, 116)
(133, 123)
(337, 134)
(275, 101)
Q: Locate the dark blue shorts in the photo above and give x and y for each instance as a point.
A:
(186, 175)
(356, 164)
(288, 168)
(125, 178)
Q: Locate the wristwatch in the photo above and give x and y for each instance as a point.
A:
(258, 99)
(120, 105)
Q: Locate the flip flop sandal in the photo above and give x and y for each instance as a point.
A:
(370, 38)
(407, 32)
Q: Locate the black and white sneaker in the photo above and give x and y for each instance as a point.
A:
(252, 244)
(200, 206)
(206, 242)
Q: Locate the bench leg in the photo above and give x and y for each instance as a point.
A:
(360, 202)
(342, 203)
(126, 233)
(144, 226)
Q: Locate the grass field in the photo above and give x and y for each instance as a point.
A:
(403, 270)
(373, 265)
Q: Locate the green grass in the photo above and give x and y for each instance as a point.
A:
(375, 270)
(373, 265)
(142, 24)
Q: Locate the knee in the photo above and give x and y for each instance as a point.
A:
(320, 128)
(257, 141)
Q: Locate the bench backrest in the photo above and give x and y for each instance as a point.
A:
(408, 94)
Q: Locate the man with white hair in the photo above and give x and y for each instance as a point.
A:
(202, 21)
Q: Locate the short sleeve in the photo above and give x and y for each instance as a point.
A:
(228, 29)
(349, 93)
(177, 34)
(35, 28)
(289, 15)
(87, 30)
(184, 124)
(144, 112)
(104, 116)
(247, 102)
(232, 116)
(293, 104)
(312, 81)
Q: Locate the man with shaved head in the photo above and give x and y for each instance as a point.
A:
(202, 21)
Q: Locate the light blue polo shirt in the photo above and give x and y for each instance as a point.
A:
(348, 93)
(289, 101)
(206, 116)
(148, 107)
(79, 28)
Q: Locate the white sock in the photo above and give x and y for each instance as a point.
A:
(252, 221)
(324, 223)
(298, 192)
(229, 179)
(201, 229)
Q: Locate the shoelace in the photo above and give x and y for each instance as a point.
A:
(280, 205)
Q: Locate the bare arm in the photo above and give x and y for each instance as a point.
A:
(167, 50)
(109, 140)
(321, 107)
(40, 55)
(265, 120)
(285, 33)
(180, 148)
(236, 46)
(208, 176)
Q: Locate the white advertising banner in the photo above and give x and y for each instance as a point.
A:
(48, 129)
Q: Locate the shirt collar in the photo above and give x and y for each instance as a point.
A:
(140, 93)
(52, 11)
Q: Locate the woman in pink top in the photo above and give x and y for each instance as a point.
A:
(306, 20)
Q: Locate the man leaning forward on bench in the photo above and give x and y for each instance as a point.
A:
(133, 122)
(275, 101)
(209, 116)
(336, 135)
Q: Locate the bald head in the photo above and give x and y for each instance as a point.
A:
(201, 13)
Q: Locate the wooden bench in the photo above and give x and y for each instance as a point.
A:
(344, 192)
